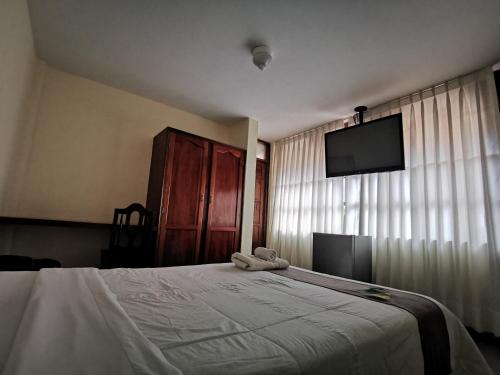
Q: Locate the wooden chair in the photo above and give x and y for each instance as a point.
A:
(38, 264)
(130, 242)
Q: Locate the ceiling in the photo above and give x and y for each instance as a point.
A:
(328, 56)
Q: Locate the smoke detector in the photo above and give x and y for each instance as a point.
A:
(261, 56)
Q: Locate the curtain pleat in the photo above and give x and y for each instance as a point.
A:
(435, 225)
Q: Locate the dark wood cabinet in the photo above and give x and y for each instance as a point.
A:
(195, 190)
(224, 208)
(181, 222)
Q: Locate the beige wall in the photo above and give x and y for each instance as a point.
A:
(248, 129)
(17, 64)
(91, 147)
(74, 149)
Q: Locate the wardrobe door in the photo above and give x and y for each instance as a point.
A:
(259, 210)
(183, 201)
(224, 209)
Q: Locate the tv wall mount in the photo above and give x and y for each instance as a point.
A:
(360, 110)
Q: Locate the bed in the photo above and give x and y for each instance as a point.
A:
(206, 319)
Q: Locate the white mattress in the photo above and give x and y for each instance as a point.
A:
(210, 319)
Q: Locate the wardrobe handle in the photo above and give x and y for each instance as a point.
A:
(202, 197)
(211, 199)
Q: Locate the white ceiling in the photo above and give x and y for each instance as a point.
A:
(329, 56)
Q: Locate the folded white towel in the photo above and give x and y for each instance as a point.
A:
(265, 253)
(238, 263)
(252, 263)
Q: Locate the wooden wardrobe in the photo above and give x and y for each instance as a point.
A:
(195, 192)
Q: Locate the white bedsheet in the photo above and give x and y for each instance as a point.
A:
(210, 319)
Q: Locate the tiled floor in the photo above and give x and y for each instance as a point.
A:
(492, 354)
(490, 347)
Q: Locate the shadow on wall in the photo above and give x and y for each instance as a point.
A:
(73, 247)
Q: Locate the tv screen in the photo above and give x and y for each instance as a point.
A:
(375, 146)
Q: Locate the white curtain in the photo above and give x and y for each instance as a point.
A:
(435, 225)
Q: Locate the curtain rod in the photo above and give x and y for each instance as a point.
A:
(408, 96)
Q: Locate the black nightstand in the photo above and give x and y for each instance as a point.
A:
(343, 255)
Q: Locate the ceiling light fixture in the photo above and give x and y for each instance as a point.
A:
(261, 56)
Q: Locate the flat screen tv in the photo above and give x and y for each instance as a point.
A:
(374, 146)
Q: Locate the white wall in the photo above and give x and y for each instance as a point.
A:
(90, 148)
(17, 65)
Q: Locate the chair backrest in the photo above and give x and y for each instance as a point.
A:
(15, 263)
(38, 264)
(126, 234)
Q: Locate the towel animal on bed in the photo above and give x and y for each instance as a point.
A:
(264, 259)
